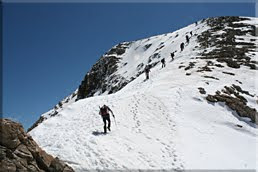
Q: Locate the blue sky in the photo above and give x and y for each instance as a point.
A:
(49, 47)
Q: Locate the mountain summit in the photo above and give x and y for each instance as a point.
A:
(198, 112)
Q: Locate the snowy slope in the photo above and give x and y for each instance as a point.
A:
(133, 61)
(57, 108)
(162, 123)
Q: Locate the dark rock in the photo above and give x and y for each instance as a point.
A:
(229, 73)
(153, 56)
(252, 66)
(219, 65)
(7, 166)
(202, 90)
(159, 48)
(9, 135)
(40, 120)
(119, 50)
(235, 101)
(60, 104)
(33, 168)
(190, 66)
(101, 76)
(228, 50)
(211, 77)
(230, 62)
(232, 90)
(239, 89)
(98, 77)
(211, 98)
(204, 69)
(147, 46)
(58, 166)
(23, 152)
(140, 66)
(239, 82)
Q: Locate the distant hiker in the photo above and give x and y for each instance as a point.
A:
(182, 45)
(163, 63)
(187, 39)
(147, 71)
(104, 112)
(191, 33)
(172, 55)
(196, 23)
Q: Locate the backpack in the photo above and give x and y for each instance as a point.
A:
(103, 110)
(147, 69)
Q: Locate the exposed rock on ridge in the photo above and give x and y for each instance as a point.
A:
(228, 50)
(101, 77)
(232, 97)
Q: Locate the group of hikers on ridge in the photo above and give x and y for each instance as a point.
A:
(163, 62)
(104, 110)
(182, 45)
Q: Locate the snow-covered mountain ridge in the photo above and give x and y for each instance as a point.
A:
(221, 39)
(196, 113)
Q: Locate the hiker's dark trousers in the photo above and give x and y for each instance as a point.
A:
(147, 75)
(106, 119)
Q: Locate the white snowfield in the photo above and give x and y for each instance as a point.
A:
(162, 123)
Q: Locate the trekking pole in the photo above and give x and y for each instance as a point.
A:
(114, 119)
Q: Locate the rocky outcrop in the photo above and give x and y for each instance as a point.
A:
(40, 120)
(228, 50)
(232, 97)
(19, 152)
(202, 90)
(101, 77)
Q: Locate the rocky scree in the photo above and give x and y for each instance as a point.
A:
(227, 50)
(232, 97)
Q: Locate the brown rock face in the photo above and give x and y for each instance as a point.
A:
(19, 152)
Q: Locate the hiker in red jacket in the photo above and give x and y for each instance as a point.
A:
(104, 112)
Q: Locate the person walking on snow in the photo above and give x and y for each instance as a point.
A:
(172, 55)
(147, 71)
(163, 63)
(187, 39)
(104, 112)
(182, 45)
